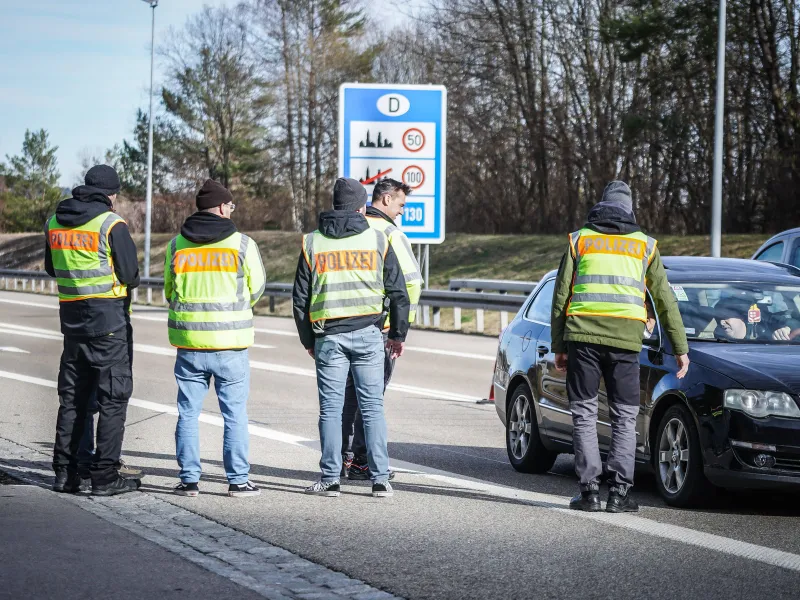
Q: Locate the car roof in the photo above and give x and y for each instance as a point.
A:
(787, 233)
(706, 269)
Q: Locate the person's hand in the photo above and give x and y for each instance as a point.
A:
(310, 352)
(683, 365)
(395, 348)
(782, 334)
(561, 362)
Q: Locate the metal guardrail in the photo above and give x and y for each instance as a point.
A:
(493, 285)
(431, 299)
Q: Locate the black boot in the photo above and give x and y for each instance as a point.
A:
(588, 500)
(66, 483)
(119, 486)
(618, 503)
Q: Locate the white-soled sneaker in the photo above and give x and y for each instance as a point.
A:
(329, 489)
(382, 490)
(241, 490)
(187, 489)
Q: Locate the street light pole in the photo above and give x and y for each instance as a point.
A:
(149, 200)
(716, 194)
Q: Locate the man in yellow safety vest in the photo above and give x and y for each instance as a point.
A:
(89, 251)
(213, 276)
(345, 272)
(598, 321)
(388, 202)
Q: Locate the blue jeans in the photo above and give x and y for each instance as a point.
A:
(361, 353)
(231, 371)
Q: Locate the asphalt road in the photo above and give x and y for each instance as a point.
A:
(462, 524)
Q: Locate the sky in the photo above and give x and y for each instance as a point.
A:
(81, 68)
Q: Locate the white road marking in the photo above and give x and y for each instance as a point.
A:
(276, 332)
(23, 303)
(264, 346)
(486, 357)
(13, 349)
(255, 364)
(684, 535)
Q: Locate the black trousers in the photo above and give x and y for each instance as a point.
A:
(353, 443)
(86, 447)
(101, 367)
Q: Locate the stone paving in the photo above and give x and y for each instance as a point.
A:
(268, 570)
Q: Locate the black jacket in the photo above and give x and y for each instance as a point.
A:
(95, 317)
(374, 212)
(340, 224)
(207, 228)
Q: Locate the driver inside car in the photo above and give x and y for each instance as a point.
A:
(733, 322)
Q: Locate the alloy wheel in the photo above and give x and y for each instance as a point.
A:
(673, 455)
(520, 426)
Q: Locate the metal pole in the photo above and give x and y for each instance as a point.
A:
(427, 264)
(149, 199)
(716, 195)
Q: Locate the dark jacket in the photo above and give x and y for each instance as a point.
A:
(207, 228)
(374, 212)
(625, 334)
(341, 224)
(95, 317)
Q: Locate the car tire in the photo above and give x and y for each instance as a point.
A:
(524, 445)
(678, 460)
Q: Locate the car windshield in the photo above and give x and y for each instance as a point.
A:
(740, 312)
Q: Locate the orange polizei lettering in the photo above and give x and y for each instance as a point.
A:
(67, 239)
(346, 260)
(192, 260)
(609, 244)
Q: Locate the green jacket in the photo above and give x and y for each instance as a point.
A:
(625, 334)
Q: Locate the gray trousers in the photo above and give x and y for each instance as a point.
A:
(620, 370)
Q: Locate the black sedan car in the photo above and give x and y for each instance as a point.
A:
(733, 421)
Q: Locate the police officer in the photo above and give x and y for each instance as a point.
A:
(213, 276)
(90, 252)
(598, 322)
(388, 202)
(345, 270)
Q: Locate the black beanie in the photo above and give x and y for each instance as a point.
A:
(212, 194)
(104, 178)
(348, 194)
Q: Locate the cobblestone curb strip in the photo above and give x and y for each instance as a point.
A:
(268, 570)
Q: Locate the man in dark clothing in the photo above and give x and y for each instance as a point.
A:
(598, 321)
(345, 271)
(89, 250)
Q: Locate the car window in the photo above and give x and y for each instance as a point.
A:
(740, 312)
(795, 260)
(772, 254)
(539, 310)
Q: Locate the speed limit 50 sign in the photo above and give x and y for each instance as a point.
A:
(398, 132)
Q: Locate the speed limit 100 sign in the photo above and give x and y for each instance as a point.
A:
(398, 132)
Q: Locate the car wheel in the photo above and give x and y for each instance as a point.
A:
(678, 460)
(526, 452)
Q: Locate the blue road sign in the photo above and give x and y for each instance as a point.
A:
(399, 132)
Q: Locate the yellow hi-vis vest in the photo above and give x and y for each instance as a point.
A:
(408, 262)
(209, 292)
(82, 259)
(346, 274)
(610, 274)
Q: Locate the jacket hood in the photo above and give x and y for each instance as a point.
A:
(87, 202)
(374, 212)
(342, 223)
(611, 219)
(207, 228)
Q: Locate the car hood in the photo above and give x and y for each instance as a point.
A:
(755, 366)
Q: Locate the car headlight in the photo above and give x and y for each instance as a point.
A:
(762, 404)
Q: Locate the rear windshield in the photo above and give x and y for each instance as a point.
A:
(740, 312)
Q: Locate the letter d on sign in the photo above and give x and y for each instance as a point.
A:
(393, 105)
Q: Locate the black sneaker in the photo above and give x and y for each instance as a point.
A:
(382, 490)
(619, 503)
(328, 489)
(66, 483)
(588, 501)
(118, 486)
(359, 470)
(186, 489)
(241, 490)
